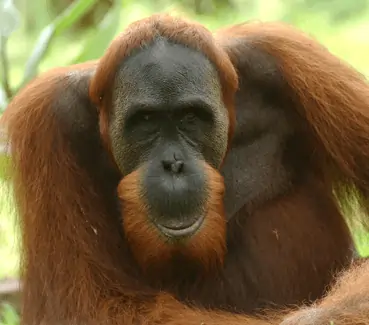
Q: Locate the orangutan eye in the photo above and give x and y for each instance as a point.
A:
(189, 118)
(140, 117)
(147, 116)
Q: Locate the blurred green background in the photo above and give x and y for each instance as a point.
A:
(39, 34)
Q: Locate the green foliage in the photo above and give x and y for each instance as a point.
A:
(9, 315)
(334, 11)
(339, 11)
(102, 35)
(4, 162)
(59, 25)
(9, 20)
(3, 99)
(64, 21)
(9, 17)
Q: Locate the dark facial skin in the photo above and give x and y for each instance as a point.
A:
(168, 119)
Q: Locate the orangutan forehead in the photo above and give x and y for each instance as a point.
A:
(168, 68)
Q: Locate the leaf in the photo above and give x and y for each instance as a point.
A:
(9, 18)
(102, 36)
(9, 315)
(65, 20)
(72, 14)
(39, 51)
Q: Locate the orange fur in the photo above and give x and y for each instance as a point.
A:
(76, 268)
(330, 99)
(148, 245)
(346, 304)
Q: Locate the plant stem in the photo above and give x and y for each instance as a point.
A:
(5, 67)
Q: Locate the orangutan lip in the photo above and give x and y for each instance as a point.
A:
(181, 232)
